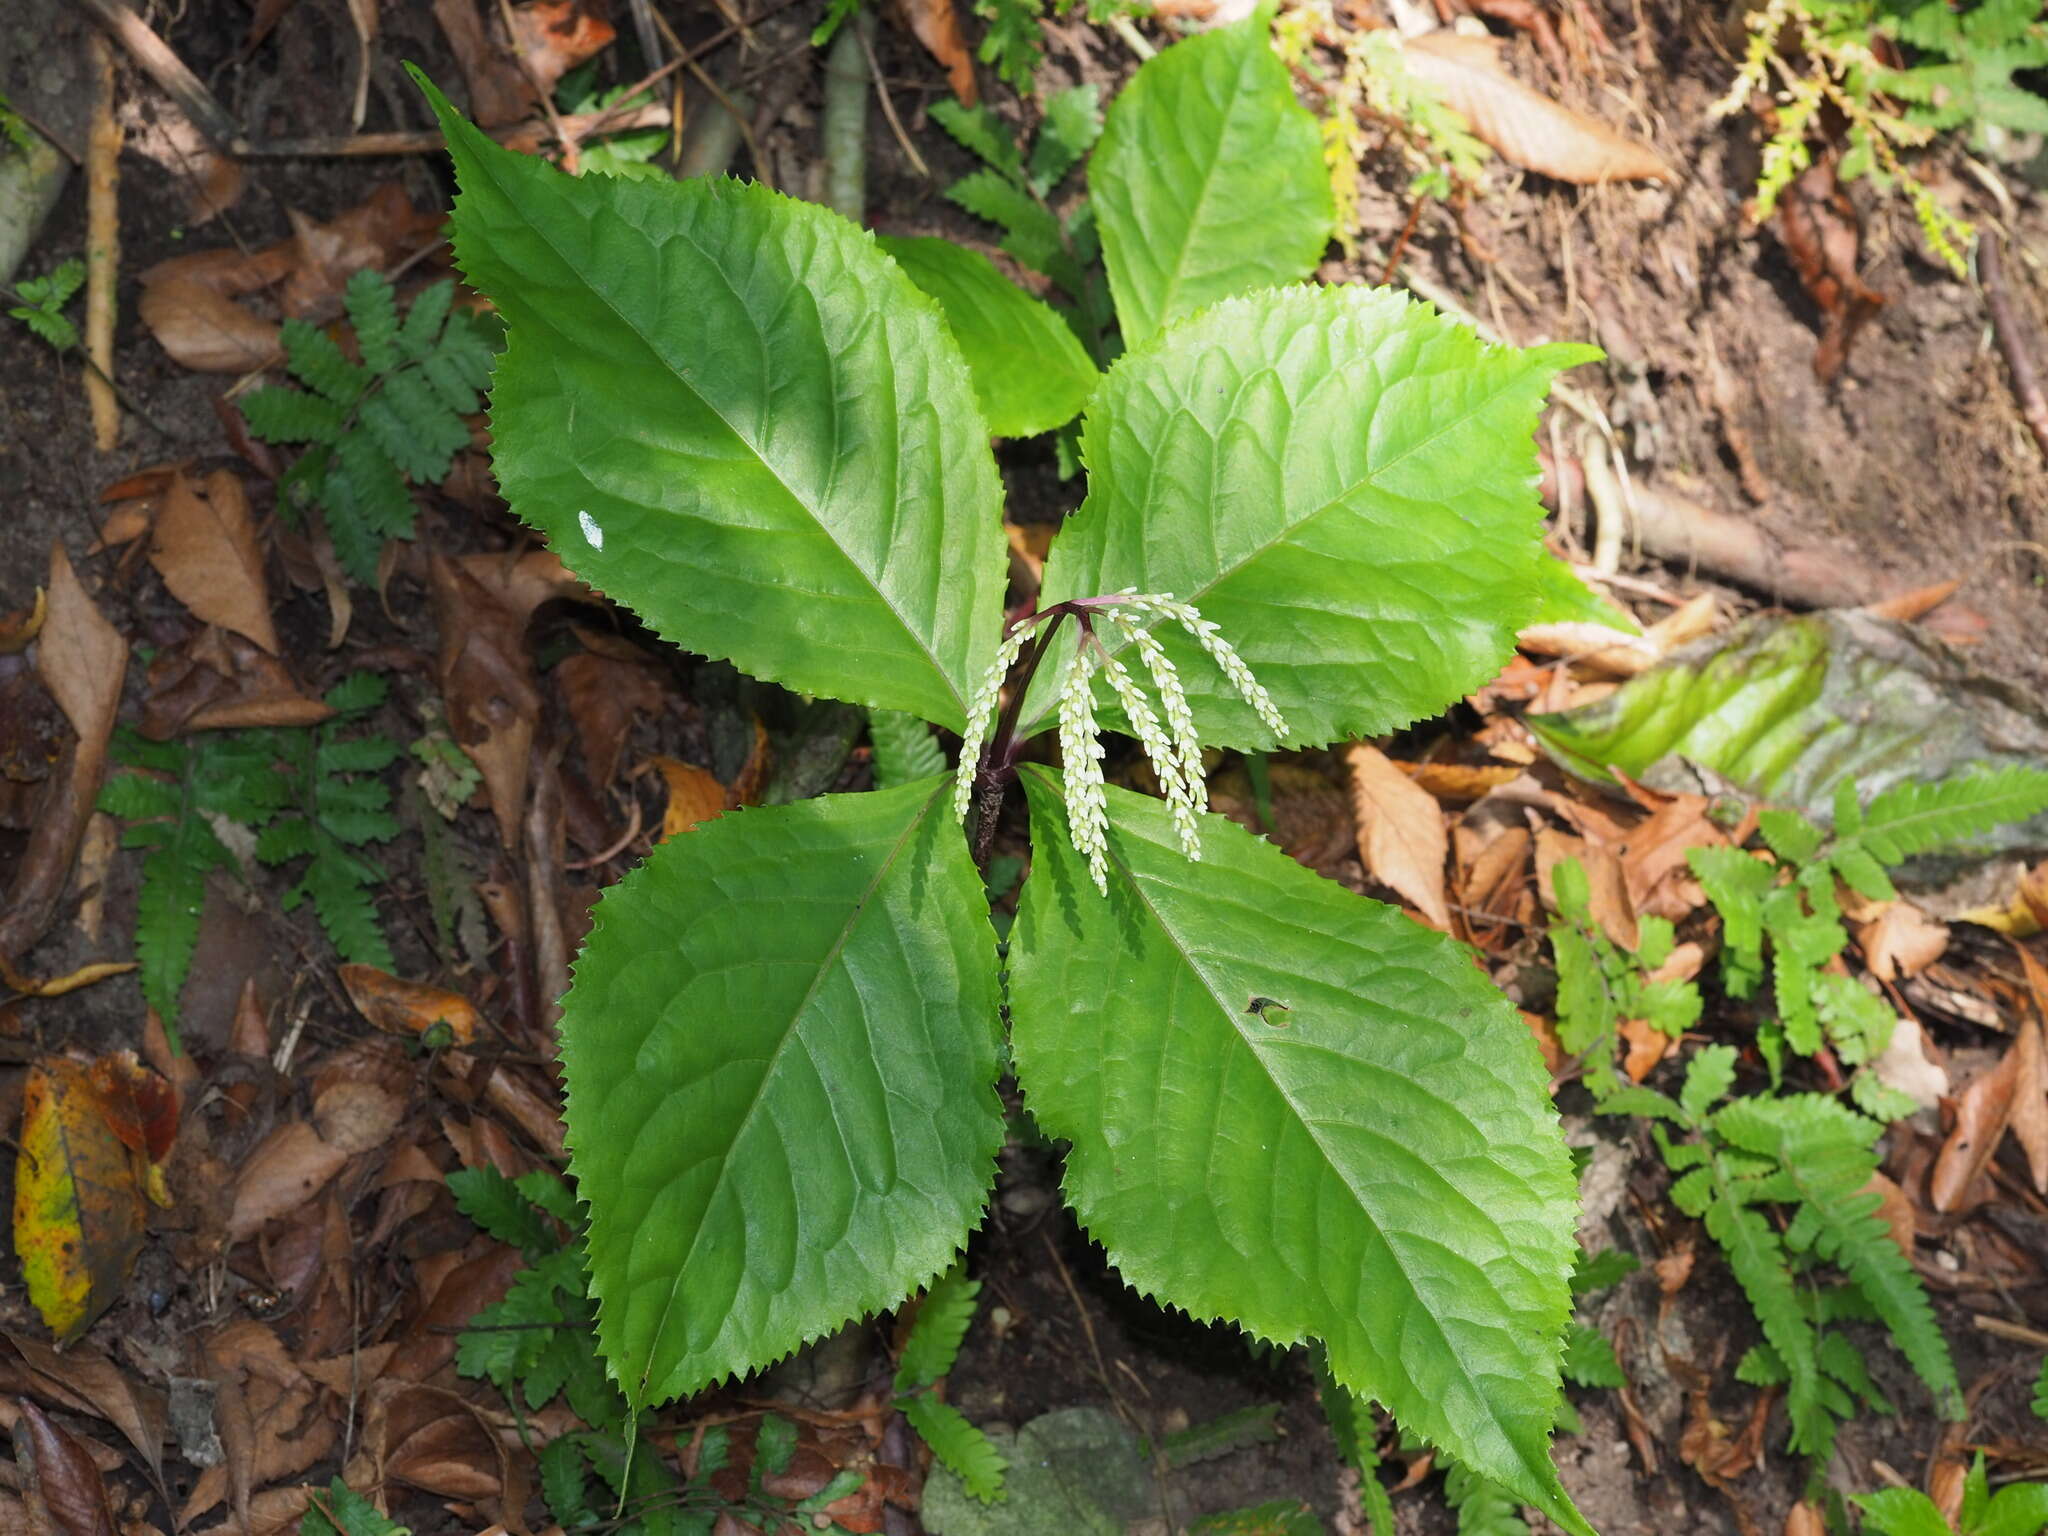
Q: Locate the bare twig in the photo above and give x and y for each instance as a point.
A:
(156, 60)
(102, 248)
(2026, 379)
(909, 149)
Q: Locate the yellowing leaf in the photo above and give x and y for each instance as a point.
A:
(1523, 126)
(78, 1199)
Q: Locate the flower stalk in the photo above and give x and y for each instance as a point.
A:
(1167, 734)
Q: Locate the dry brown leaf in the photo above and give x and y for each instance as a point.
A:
(1895, 1211)
(289, 1166)
(603, 696)
(219, 681)
(1904, 1065)
(1523, 126)
(2028, 1120)
(1823, 234)
(554, 36)
(694, 796)
(1647, 1045)
(1919, 602)
(498, 93)
(1654, 857)
(272, 1424)
(206, 331)
(60, 1478)
(938, 27)
(81, 660)
(1901, 941)
(1495, 894)
(82, 1379)
(1459, 783)
(1806, 1519)
(408, 1007)
(205, 548)
(1401, 834)
(2024, 915)
(1605, 880)
(1983, 1112)
(380, 231)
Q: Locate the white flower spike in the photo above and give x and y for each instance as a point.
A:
(1081, 753)
(1172, 744)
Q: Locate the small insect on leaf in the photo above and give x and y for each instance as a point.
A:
(1264, 1006)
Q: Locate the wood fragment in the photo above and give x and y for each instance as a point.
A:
(157, 60)
(2026, 379)
(102, 249)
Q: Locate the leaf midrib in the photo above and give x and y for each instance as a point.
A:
(1137, 884)
(752, 448)
(1176, 275)
(789, 1033)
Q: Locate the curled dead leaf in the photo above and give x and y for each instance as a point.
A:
(937, 26)
(205, 330)
(1823, 234)
(1523, 126)
(2008, 1097)
(1901, 941)
(408, 1007)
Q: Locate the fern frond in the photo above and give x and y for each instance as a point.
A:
(362, 754)
(565, 1482)
(1922, 817)
(319, 364)
(1762, 1268)
(422, 328)
(942, 1320)
(138, 797)
(1073, 122)
(1826, 1151)
(293, 416)
(1589, 1359)
(373, 311)
(287, 838)
(905, 748)
(434, 434)
(1031, 234)
(167, 912)
(339, 883)
(1483, 1508)
(980, 132)
(357, 692)
(959, 1444)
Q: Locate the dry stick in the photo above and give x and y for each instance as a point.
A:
(718, 94)
(889, 109)
(102, 249)
(427, 141)
(163, 66)
(2026, 380)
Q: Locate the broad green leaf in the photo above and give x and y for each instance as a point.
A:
(1378, 1167)
(730, 412)
(1790, 709)
(1030, 373)
(780, 1052)
(1901, 1512)
(1208, 180)
(1343, 480)
(1565, 598)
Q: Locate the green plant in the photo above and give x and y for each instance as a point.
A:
(42, 301)
(1310, 516)
(210, 800)
(1014, 43)
(2040, 1404)
(619, 154)
(539, 1343)
(928, 1354)
(1373, 84)
(1816, 55)
(395, 417)
(1785, 907)
(2020, 1509)
(340, 1511)
(1814, 1154)
(1599, 984)
(1014, 194)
